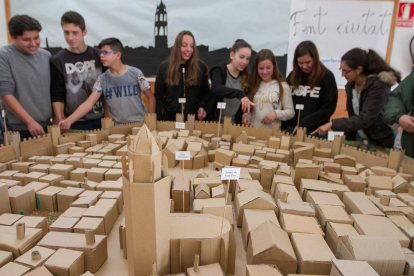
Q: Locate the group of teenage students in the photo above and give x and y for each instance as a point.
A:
(258, 97)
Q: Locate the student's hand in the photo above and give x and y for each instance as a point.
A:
(201, 114)
(269, 118)
(246, 120)
(294, 130)
(35, 129)
(246, 104)
(322, 130)
(64, 125)
(407, 123)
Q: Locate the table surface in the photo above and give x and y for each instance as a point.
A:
(117, 265)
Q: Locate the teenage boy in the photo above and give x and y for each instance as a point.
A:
(74, 70)
(121, 85)
(25, 79)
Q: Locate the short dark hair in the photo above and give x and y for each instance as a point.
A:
(74, 18)
(114, 43)
(20, 23)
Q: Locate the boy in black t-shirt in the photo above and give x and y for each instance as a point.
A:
(74, 71)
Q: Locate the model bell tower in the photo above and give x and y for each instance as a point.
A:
(161, 28)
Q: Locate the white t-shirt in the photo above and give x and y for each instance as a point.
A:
(267, 98)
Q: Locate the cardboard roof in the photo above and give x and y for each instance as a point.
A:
(296, 208)
(64, 258)
(312, 247)
(300, 224)
(323, 198)
(72, 240)
(74, 212)
(70, 191)
(13, 269)
(37, 186)
(64, 223)
(52, 190)
(358, 203)
(253, 194)
(9, 219)
(293, 192)
(40, 271)
(30, 221)
(353, 268)
(26, 258)
(256, 270)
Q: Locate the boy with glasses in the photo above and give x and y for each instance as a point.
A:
(121, 86)
(74, 70)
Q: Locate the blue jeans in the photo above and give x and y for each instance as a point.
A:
(88, 125)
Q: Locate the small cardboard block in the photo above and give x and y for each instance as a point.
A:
(198, 204)
(390, 209)
(253, 219)
(9, 219)
(245, 184)
(291, 190)
(52, 179)
(224, 156)
(95, 254)
(19, 177)
(253, 199)
(383, 254)
(218, 191)
(22, 200)
(358, 203)
(316, 198)
(334, 231)
(256, 270)
(115, 195)
(9, 241)
(63, 224)
(70, 183)
(270, 244)
(22, 167)
(378, 170)
(405, 197)
(322, 152)
(277, 157)
(4, 199)
(274, 142)
(112, 216)
(380, 227)
(218, 211)
(78, 174)
(352, 268)
(266, 177)
(13, 269)
(209, 181)
(377, 182)
(207, 270)
(67, 196)
(96, 174)
(313, 253)
(295, 208)
(305, 171)
(66, 262)
(110, 186)
(345, 160)
(339, 189)
(34, 222)
(113, 174)
(89, 185)
(26, 258)
(91, 163)
(399, 184)
(401, 220)
(8, 174)
(106, 164)
(37, 186)
(76, 162)
(181, 193)
(63, 170)
(84, 202)
(307, 185)
(47, 199)
(202, 191)
(244, 149)
(104, 212)
(96, 224)
(300, 224)
(387, 193)
(284, 143)
(332, 213)
(5, 257)
(346, 170)
(280, 179)
(238, 162)
(32, 176)
(302, 153)
(74, 212)
(331, 178)
(355, 183)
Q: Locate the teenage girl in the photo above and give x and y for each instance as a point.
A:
(183, 64)
(369, 81)
(313, 86)
(229, 82)
(269, 91)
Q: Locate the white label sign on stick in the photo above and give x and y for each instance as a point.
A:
(300, 106)
(181, 100)
(221, 105)
(230, 173)
(182, 155)
(179, 125)
(332, 134)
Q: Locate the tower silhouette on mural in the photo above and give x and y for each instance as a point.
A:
(161, 28)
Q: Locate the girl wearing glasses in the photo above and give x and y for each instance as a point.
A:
(269, 91)
(229, 81)
(369, 81)
(313, 86)
(182, 76)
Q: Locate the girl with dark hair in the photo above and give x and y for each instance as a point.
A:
(313, 86)
(229, 81)
(369, 80)
(182, 75)
(269, 91)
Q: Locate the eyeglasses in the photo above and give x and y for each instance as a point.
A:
(344, 72)
(106, 52)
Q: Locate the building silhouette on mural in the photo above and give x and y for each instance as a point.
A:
(161, 28)
(148, 59)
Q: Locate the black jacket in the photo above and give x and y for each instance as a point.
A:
(167, 104)
(218, 76)
(373, 97)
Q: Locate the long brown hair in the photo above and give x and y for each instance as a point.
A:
(191, 66)
(318, 71)
(238, 44)
(254, 80)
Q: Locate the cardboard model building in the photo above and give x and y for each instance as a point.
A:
(147, 207)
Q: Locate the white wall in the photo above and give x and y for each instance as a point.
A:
(400, 55)
(3, 25)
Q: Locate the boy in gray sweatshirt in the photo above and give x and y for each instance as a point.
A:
(25, 79)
